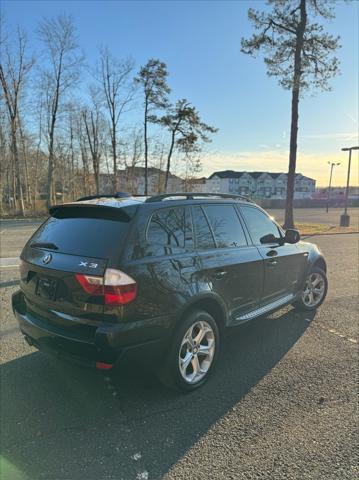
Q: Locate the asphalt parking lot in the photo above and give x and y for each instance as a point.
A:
(281, 404)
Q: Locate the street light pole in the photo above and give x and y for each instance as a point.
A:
(332, 165)
(345, 218)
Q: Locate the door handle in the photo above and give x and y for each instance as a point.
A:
(272, 253)
(218, 274)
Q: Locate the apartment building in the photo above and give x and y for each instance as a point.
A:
(259, 184)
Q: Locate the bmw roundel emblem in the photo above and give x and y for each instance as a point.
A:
(47, 258)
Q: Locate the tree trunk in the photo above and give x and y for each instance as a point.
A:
(289, 219)
(96, 169)
(72, 161)
(169, 160)
(51, 191)
(27, 182)
(114, 155)
(35, 180)
(146, 148)
(24, 154)
(17, 169)
(13, 171)
(50, 172)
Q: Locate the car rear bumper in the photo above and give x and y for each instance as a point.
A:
(110, 344)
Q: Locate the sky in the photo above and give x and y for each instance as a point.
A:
(200, 43)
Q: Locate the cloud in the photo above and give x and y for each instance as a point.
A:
(333, 136)
(354, 120)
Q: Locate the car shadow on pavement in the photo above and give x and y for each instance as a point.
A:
(63, 422)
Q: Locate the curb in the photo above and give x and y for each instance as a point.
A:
(23, 219)
(328, 234)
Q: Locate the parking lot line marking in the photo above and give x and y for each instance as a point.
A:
(9, 262)
(336, 333)
(9, 283)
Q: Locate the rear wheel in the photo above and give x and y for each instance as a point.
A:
(193, 352)
(314, 292)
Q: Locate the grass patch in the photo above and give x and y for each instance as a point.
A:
(322, 229)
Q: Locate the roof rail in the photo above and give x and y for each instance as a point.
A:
(194, 195)
(114, 195)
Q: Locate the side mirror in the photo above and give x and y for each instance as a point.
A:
(292, 236)
(270, 238)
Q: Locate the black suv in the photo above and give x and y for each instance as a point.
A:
(159, 278)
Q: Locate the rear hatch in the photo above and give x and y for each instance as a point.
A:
(77, 242)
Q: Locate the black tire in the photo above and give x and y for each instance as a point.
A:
(300, 304)
(170, 374)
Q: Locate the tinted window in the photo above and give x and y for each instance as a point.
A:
(204, 236)
(91, 237)
(259, 224)
(168, 228)
(226, 226)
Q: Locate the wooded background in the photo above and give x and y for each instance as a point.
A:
(65, 123)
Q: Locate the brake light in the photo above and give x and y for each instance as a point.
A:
(116, 287)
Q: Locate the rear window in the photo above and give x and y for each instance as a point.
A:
(204, 235)
(91, 237)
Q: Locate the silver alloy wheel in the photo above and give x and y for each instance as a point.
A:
(196, 352)
(314, 289)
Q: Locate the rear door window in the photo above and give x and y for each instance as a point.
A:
(170, 229)
(226, 226)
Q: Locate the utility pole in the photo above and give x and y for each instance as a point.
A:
(332, 165)
(344, 217)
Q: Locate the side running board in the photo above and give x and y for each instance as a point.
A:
(265, 309)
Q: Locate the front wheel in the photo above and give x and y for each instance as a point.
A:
(193, 352)
(314, 292)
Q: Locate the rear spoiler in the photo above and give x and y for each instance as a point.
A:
(89, 210)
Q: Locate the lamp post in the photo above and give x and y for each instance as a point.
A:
(344, 217)
(332, 165)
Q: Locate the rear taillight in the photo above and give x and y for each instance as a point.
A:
(92, 285)
(119, 288)
(103, 366)
(116, 287)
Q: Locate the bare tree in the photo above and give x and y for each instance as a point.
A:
(117, 88)
(39, 115)
(94, 123)
(133, 151)
(14, 68)
(5, 163)
(24, 142)
(153, 79)
(300, 54)
(82, 137)
(62, 72)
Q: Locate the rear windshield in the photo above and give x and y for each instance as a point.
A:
(89, 237)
